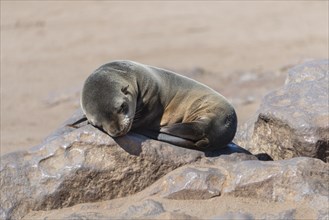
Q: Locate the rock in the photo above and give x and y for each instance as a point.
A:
(192, 183)
(85, 216)
(297, 179)
(145, 209)
(323, 214)
(79, 163)
(83, 164)
(293, 120)
(174, 216)
(197, 182)
(284, 215)
(148, 208)
(288, 189)
(233, 216)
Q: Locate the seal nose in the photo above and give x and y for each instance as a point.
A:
(122, 132)
(111, 130)
(119, 131)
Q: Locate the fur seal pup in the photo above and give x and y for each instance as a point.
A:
(123, 96)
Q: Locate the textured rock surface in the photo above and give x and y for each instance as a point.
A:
(76, 165)
(234, 215)
(293, 120)
(289, 189)
(297, 179)
(193, 183)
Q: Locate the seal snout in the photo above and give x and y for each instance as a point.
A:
(117, 133)
(118, 129)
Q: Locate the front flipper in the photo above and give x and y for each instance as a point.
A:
(176, 140)
(167, 138)
(76, 123)
(193, 131)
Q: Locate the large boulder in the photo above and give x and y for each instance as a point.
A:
(79, 163)
(82, 164)
(236, 186)
(293, 120)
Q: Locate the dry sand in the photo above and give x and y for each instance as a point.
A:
(48, 48)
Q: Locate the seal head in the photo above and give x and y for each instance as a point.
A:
(108, 102)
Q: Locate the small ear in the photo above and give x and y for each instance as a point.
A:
(125, 89)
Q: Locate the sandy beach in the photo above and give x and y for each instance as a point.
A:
(242, 49)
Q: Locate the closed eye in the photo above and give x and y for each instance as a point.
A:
(123, 108)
